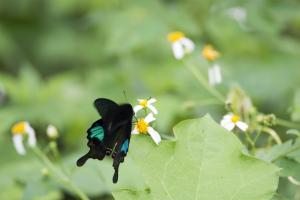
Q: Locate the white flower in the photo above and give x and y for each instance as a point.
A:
(214, 75)
(145, 103)
(180, 44)
(237, 13)
(19, 130)
(52, 132)
(230, 120)
(142, 126)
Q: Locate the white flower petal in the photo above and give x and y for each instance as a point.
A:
(31, 136)
(178, 50)
(211, 77)
(18, 143)
(217, 73)
(151, 101)
(153, 109)
(237, 13)
(154, 135)
(229, 126)
(228, 116)
(188, 45)
(134, 132)
(242, 125)
(137, 108)
(149, 118)
(225, 121)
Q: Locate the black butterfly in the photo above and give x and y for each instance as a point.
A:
(109, 135)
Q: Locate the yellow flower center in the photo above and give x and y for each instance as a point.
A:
(175, 36)
(144, 103)
(142, 126)
(18, 128)
(235, 118)
(210, 53)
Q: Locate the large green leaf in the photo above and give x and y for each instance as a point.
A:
(205, 162)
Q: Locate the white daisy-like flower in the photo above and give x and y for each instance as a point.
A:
(214, 75)
(142, 126)
(237, 13)
(52, 132)
(145, 103)
(230, 120)
(19, 130)
(181, 45)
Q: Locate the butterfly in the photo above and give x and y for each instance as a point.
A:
(109, 135)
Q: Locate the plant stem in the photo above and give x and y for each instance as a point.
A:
(204, 82)
(283, 122)
(273, 134)
(59, 173)
(248, 138)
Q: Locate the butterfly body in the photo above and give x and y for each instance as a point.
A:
(109, 135)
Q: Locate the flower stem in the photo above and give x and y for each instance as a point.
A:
(64, 178)
(273, 134)
(285, 123)
(248, 138)
(204, 82)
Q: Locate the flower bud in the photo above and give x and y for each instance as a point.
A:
(52, 132)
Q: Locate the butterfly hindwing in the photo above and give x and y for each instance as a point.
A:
(95, 143)
(110, 134)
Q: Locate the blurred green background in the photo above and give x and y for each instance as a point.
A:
(57, 56)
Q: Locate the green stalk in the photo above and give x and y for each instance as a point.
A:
(285, 123)
(201, 79)
(273, 134)
(64, 178)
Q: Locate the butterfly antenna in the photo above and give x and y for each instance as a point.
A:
(125, 95)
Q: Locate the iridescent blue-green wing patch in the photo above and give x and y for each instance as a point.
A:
(96, 132)
(125, 146)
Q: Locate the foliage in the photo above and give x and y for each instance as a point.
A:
(205, 162)
(57, 56)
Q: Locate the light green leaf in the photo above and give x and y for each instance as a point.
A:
(289, 168)
(205, 162)
(288, 149)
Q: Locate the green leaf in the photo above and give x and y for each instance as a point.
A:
(205, 162)
(289, 168)
(288, 149)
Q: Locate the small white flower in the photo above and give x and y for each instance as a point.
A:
(52, 132)
(230, 120)
(237, 13)
(214, 75)
(19, 130)
(145, 103)
(181, 45)
(142, 126)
